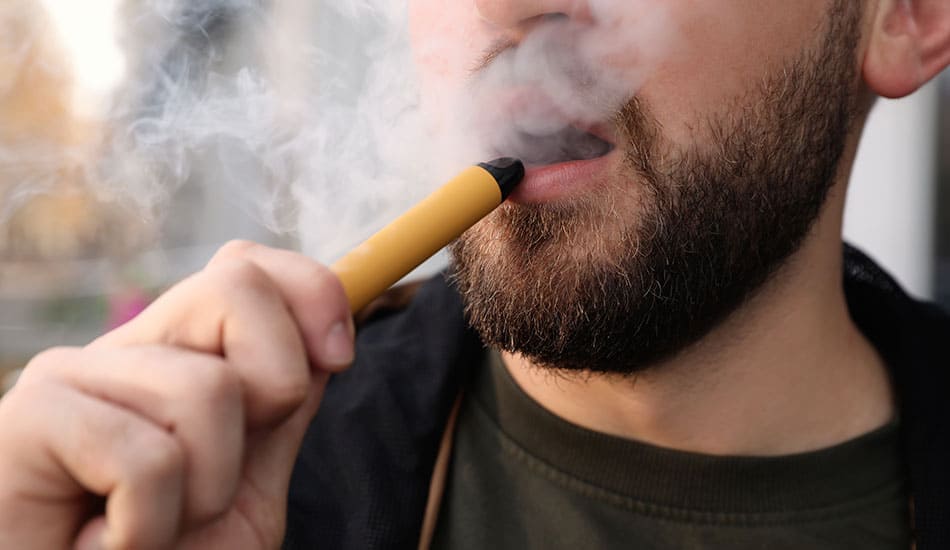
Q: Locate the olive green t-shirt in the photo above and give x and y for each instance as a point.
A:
(522, 478)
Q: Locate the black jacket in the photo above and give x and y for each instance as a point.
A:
(362, 477)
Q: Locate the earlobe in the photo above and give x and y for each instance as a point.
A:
(909, 44)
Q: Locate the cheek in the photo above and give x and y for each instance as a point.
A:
(446, 38)
(722, 53)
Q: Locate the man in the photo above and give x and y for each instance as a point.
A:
(674, 360)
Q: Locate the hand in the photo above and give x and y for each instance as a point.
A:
(181, 428)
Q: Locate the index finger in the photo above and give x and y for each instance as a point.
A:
(235, 311)
(313, 294)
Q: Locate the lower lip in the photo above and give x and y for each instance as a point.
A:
(545, 184)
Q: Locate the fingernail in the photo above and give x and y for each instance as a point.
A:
(338, 351)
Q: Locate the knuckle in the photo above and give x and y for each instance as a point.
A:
(324, 278)
(233, 249)
(239, 273)
(327, 289)
(18, 414)
(53, 357)
(290, 391)
(214, 382)
(319, 272)
(157, 454)
(50, 361)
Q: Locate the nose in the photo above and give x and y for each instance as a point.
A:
(511, 13)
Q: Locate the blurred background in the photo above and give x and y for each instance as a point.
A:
(76, 260)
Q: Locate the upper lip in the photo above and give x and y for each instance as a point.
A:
(601, 130)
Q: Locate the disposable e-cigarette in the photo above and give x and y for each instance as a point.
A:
(382, 260)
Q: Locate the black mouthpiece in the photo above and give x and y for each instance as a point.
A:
(508, 172)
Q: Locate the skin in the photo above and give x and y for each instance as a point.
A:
(188, 419)
(789, 372)
(657, 243)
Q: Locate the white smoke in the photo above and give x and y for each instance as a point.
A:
(309, 113)
(567, 73)
(314, 131)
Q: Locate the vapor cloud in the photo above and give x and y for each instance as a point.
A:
(310, 112)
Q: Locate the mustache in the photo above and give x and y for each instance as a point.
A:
(544, 97)
(493, 52)
(509, 42)
(558, 58)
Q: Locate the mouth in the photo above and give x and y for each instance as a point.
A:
(569, 144)
(565, 155)
(560, 164)
(531, 126)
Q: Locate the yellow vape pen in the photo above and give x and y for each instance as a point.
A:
(392, 253)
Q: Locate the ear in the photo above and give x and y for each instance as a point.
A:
(909, 44)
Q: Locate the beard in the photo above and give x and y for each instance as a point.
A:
(613, 283)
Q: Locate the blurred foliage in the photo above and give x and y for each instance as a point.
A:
(90, 310)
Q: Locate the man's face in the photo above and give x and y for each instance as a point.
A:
(679, 151)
